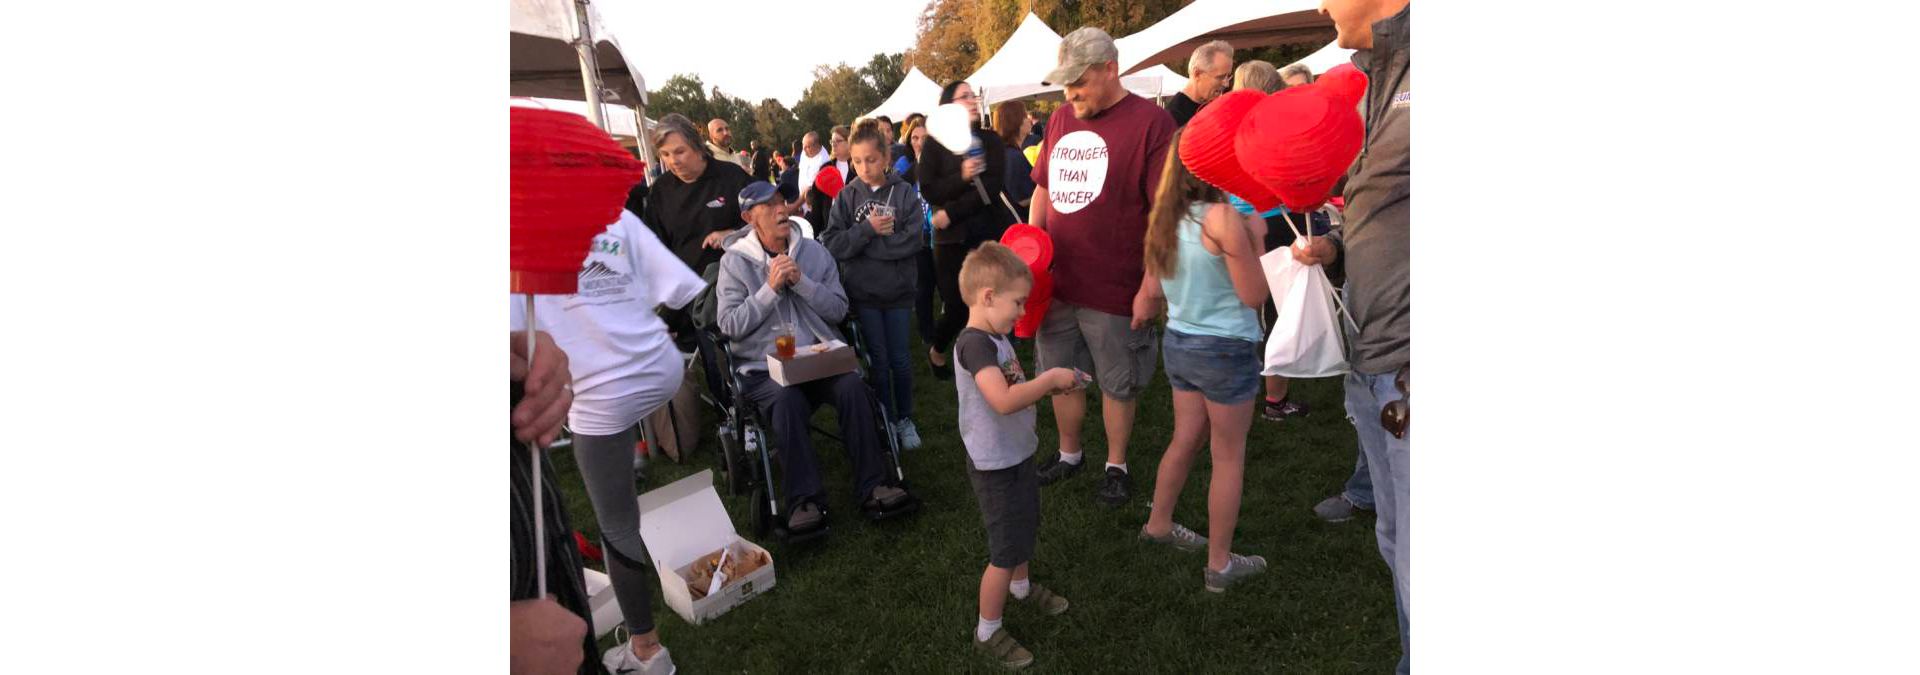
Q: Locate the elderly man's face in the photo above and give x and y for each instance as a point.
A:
(721, 134)
(681, 159)
(1213, 79)
(811, 143)
(1095, 89)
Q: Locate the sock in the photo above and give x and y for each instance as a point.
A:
(1070, 459)
(1020, 588)
(1229, 567)
(1121, 467)
(1275, 401)
(986, 629)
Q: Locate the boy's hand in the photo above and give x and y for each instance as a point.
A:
(1062, 380)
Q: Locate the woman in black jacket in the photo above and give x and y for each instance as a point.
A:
(961, 218)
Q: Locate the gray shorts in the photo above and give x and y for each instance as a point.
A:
(1010, 507)
(1121, 359)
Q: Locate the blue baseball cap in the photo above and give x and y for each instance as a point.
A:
(755, 194)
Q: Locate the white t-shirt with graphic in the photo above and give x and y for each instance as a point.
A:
(624, 364)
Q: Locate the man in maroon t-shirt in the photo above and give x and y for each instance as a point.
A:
(1094, 186)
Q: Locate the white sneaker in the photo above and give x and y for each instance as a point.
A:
(909, 435)
(620, 661)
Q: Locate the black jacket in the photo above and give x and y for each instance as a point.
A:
(683, 214)
(971, 219)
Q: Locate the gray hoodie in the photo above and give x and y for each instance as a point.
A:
(748, 311)
(880, 271)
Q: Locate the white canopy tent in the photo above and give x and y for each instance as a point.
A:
(1243, 24)
(1154, 82)
(1016, 69)
(917, 93)
(549, 58)
(1328, 57)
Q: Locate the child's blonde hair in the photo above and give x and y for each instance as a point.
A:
(994, 266)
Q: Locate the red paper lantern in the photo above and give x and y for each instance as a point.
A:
(1298, 143)
(569, 181)
(829, 181)
(1035, 248)
(1345, 82)
(1206, 148)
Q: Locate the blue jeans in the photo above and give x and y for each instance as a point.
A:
(1386, 460)
(885, 332)
(1359, 490)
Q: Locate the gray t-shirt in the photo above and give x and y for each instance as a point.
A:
(994, 441)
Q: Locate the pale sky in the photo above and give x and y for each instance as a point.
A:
(756, 49)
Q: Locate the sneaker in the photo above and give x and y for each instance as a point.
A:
(1057, 470)
(1179, 537)
(1116, 489)
(620, 661)
(909, 435)
(1336, 509)
(1239, 567)
(1001, 648)
(1285, 408)
(806, 517)
(1046, 601)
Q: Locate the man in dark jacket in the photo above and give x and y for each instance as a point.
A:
(1370, 252)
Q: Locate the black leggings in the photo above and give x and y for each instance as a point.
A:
(953, 317)
(923, 296)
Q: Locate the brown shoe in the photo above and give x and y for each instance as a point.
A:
(1002, 649)
(1046, 601)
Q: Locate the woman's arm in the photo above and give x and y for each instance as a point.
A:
(1233, 234)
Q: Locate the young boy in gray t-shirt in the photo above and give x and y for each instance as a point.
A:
(996, 424)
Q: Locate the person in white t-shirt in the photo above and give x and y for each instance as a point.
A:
(624, 367)
(812, 157)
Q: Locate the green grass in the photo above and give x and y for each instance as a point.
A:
(901, 595)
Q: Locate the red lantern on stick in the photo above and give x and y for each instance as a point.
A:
(1206, 148)
(569, 179)
(1298, 142)
(1344, 82)
(1036, 249)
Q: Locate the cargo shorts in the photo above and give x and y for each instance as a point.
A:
(1121, 359)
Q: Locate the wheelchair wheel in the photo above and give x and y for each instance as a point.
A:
(733, 462)
(762, 519)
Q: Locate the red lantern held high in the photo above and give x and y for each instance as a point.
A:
(1206, 148)
(1298, 143)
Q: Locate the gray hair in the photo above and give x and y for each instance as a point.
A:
(676, 123)
(1300, 69)
(1257, 75)
(1204, 55)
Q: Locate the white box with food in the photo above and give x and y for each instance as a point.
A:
(705, 567)
(605, 608)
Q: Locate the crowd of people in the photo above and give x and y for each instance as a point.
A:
(898, 219)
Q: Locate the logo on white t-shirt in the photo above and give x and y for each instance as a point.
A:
(1078, 164)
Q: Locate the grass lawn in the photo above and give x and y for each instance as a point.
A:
(900, 596)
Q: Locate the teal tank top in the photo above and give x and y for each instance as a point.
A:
(1200, 297)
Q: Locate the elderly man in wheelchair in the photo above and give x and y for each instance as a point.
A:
(773, 282)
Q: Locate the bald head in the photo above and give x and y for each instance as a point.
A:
(810, 143)
(719, 133)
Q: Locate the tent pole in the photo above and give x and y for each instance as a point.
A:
(646, 143)
(589, 66)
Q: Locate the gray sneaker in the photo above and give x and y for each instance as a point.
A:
(909, 435)
(1179, 537)
(1239, 567)
(1336, 509)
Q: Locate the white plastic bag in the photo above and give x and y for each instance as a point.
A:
(1306, 338)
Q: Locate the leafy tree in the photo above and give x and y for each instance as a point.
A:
(683, 94)
(883, 74)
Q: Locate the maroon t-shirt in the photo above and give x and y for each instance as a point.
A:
(1100, 175)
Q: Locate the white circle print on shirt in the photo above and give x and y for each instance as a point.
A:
(1078, 163)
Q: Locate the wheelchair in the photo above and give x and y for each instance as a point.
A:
(748, 449)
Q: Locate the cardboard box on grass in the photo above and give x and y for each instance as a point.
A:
(600, 602)
(682, 522)
(812, 362)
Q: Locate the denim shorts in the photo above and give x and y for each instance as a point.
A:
(1225, 370)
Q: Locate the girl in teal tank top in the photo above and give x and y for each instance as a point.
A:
(1203, 260)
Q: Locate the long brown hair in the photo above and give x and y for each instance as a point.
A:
(1007, 118)
(1179, 190)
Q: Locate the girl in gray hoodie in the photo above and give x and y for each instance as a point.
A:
(874, 230)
